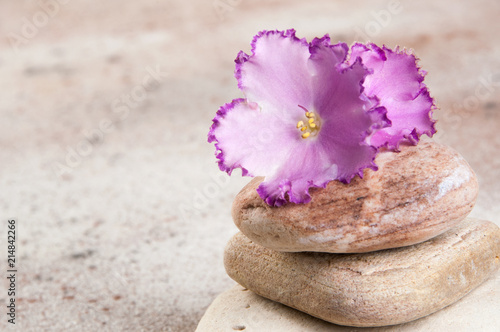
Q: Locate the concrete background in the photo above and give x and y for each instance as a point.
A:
(122, 213)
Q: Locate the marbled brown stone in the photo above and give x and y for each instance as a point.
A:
(371, 289)
(240, 309)
(415, 195)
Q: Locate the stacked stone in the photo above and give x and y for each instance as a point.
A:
(383, 250)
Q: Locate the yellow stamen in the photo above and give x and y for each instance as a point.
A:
(311, 126)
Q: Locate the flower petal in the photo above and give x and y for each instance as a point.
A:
(397, 82)
(276, 74)
(407, 125)
(250, 139)
(347, 116)
(308, 166)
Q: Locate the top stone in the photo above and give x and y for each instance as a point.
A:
(415, 195)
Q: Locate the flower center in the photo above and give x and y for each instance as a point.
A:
(309, 127)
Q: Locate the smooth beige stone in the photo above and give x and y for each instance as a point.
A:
(239, 309)
(371, 289)
(415, 195)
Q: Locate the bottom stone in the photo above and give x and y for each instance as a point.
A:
(371, 289)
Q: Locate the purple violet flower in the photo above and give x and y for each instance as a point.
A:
(311, 116)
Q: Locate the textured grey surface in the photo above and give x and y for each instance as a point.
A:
(130, 236)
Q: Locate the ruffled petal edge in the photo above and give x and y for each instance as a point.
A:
(219, 153)
(242, 57)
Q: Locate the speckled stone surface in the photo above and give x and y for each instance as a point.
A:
(131, 236)
(414, 195)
